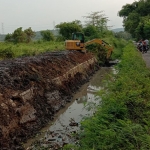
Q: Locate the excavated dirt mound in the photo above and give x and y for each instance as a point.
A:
(32, 89)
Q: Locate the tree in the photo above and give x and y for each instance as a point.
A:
(136, 17)
(131, 23)
(29, 34)
(91, 32)
(19, 35)
(139, 31)
(97, 19)
(127, 9)
(78, 22)
(67, 28)
(8, 37)
(47, 35)
(147, 29)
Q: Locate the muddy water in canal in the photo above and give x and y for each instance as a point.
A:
(67, 120)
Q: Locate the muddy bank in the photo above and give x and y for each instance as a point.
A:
(58, 132)
(33, 89)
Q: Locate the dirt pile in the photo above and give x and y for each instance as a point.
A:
(32, 89)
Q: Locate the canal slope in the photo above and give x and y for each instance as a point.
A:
(33, 89)
(67, 121)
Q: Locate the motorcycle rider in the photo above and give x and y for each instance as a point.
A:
(140, 45)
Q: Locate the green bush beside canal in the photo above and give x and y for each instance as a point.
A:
(122, 122)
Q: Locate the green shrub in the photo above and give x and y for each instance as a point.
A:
(11, 50)
(7, 53)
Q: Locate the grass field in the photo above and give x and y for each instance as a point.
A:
(10, 50)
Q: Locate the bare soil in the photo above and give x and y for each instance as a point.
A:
(28, 96)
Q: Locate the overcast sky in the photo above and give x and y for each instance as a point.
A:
(45, 14)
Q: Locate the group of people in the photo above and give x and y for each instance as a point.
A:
(143, 45)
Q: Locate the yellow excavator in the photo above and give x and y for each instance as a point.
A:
(78, 43)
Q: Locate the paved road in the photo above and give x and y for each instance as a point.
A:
(146, 57)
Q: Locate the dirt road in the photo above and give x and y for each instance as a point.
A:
(146, 57)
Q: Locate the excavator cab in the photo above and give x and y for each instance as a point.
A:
(77, 42)
(78, 36)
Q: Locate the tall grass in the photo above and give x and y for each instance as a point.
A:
(10, 50)
(118, 45)
(122, 122)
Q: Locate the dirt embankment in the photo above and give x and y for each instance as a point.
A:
(32, 89)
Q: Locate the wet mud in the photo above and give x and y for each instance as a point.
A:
(67, 122)
(33, 89)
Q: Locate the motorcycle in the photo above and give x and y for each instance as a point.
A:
(147, 47)
(142, 48)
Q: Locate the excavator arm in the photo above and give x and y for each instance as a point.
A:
(77, 43)
(103, 43)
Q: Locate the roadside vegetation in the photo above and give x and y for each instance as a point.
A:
(122, 121)
(136, 19)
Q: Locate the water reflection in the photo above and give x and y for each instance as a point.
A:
(83, 105)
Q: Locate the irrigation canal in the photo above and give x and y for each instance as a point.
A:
(67, 120)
